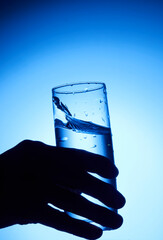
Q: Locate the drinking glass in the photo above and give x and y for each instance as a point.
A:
(81, 120)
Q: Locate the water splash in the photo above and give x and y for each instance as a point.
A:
(75, 124)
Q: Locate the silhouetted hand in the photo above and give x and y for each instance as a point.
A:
(34, 174)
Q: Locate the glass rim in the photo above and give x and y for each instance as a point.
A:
(60, 89)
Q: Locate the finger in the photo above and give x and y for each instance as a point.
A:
(96, 188)
(61, 221)
(70, 202)
(78, 160)
(104, 192)
(71, 158)
(90, 162)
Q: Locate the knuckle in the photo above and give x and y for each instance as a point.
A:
(26, 143)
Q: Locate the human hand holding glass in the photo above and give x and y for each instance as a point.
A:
(34, 174)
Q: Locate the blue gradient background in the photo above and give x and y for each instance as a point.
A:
(48, 43)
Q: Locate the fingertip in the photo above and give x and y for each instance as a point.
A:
(122, 201)
(105, 167)
(118, 223)
(115, 172)
(119, 200)
(111, 171)
(95, 232)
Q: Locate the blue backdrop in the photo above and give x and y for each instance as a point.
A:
(48, 43)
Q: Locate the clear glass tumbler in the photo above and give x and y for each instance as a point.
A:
(81, 120)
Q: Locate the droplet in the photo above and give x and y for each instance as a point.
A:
(94, 146)
(63, 139)
(86, 90)
(86, 114)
